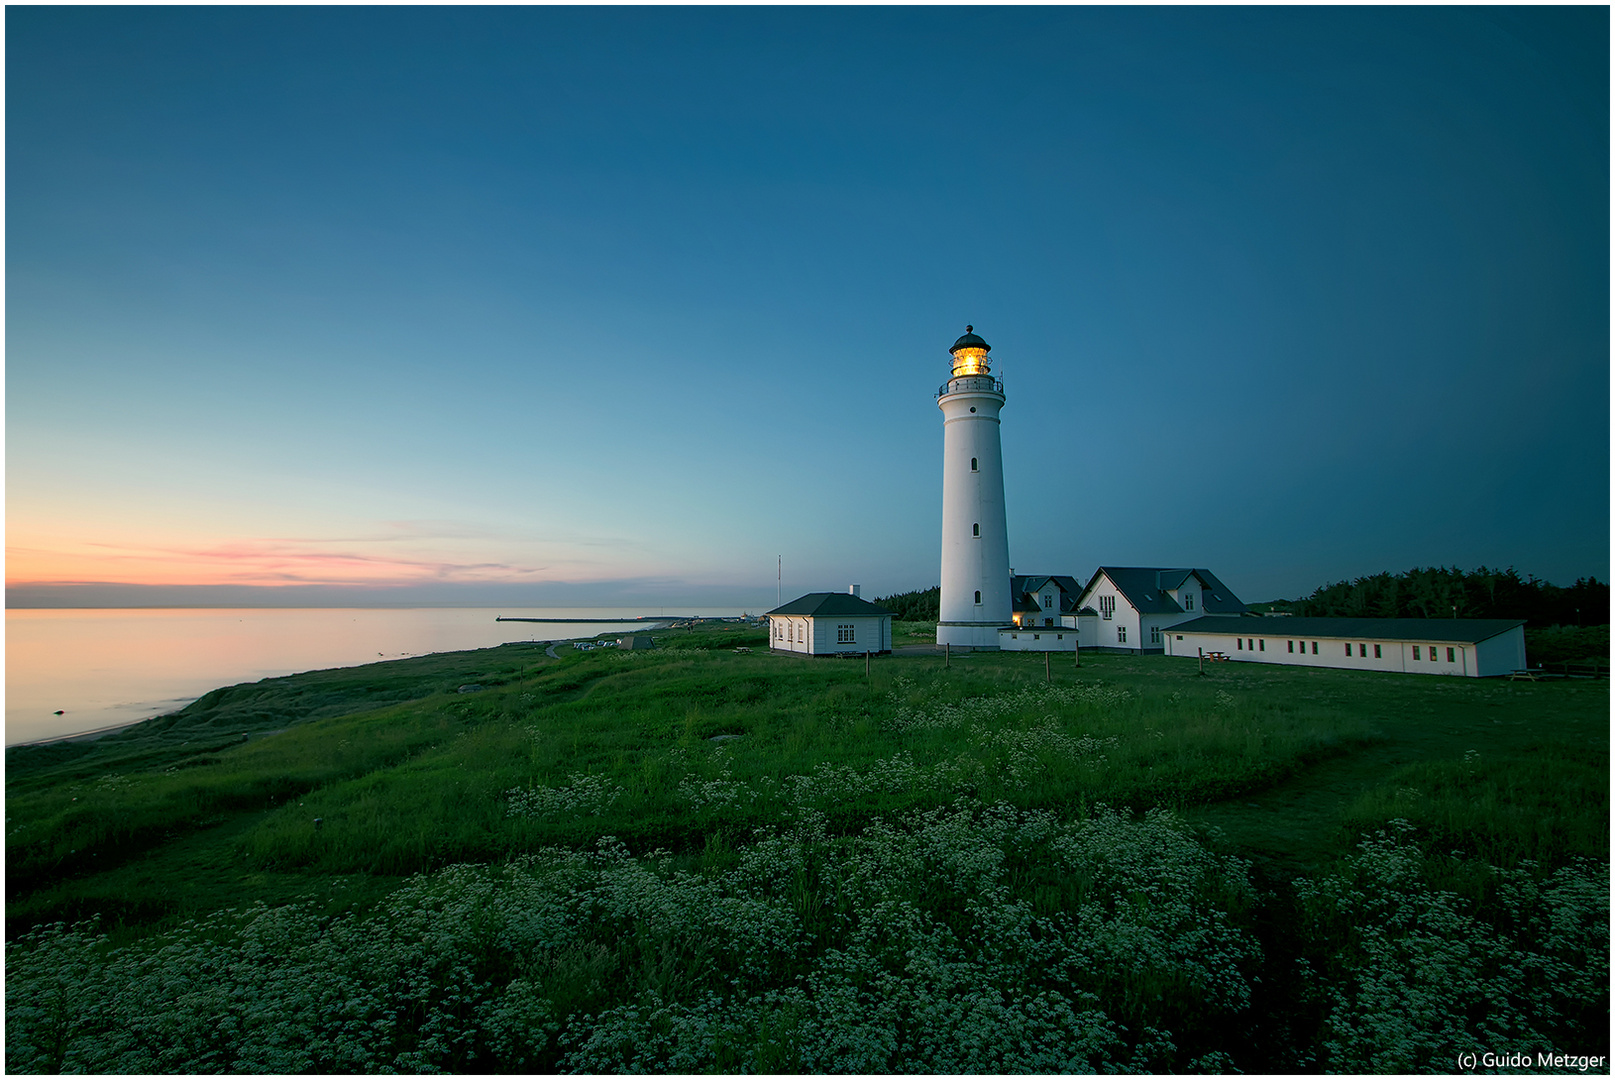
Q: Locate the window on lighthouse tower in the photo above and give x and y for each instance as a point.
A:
(973, 467)
(975, 530)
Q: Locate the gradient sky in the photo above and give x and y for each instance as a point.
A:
(607, 305)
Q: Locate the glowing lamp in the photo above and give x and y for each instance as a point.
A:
(970, 355)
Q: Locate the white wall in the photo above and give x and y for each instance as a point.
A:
(1149, 623)
(1107, 633)
(1051, 609)
(787, 633)
(973, 563)
(1258, 645)
(816, 636)
(1501, 654)
(1038, 639)
(1189, 598)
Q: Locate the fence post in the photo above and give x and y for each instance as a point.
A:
(947, 653)
(1045, 667)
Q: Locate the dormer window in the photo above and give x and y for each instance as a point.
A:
(1188, 601)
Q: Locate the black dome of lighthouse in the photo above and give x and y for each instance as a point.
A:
(970, 341)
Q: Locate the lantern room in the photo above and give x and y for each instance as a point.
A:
(970, 354)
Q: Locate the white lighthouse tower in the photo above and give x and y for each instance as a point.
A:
(975, 534)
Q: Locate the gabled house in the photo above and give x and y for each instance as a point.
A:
(1133, 605)
(830, 624)
(1044, 599)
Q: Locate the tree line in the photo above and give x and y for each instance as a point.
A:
(1448, 592)
(921, 605)
(1421, 593)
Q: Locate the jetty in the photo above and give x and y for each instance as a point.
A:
(636, 619)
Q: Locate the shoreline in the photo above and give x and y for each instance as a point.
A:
(641, 622)
(83, 736)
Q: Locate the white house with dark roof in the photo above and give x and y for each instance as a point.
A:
(830, 624)
(1134, 605)
(1044, 599)
(1471, 647)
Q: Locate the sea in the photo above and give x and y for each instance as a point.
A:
(107, 667)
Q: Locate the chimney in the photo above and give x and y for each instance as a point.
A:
(855, 590)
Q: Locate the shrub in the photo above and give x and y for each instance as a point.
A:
(968, 938)
(1418, 977)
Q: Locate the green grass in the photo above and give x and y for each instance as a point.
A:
(424, 781)
(349, 781)
(913, 633)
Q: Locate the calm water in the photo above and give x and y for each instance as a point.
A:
(114, 666)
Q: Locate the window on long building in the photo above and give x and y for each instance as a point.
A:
(1452, 657)
(1291, 644)
(1415, 652)
(1314, 648)
(1376, 651)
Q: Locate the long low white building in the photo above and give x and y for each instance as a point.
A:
(1472, 647)
(1038, 639)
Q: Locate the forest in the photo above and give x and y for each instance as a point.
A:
(921, 605)
(1445, 593)
(1421, 593)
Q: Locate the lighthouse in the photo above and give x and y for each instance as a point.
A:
(975, 534)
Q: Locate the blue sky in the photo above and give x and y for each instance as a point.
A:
(616, 305)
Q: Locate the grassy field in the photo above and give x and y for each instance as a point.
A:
(1031, 841)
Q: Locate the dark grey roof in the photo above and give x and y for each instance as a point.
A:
(1463, 631)
(829, 605)
(1171, 579)
(970, 341)
(1142, 585)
